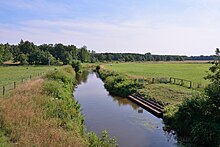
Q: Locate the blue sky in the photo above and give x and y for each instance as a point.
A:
(186, 27)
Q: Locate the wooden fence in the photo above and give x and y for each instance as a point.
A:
(181, 82)
(171, 80)
(8, 87)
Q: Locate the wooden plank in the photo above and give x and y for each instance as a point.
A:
(147, 107)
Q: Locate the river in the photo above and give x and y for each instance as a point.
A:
(129, 123)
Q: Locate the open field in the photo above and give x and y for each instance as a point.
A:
(165, 93)
(188, 71)
(9, 74)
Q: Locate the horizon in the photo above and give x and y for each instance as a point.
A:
(171, 27)
(113, 52)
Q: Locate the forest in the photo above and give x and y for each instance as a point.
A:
(27, 53)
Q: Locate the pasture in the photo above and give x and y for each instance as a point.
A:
(194, 72)
(10, 74)
(165, 93)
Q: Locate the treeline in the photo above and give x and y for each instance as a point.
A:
(28, 53)
(58, 54)
(212, 57)
(131, 57)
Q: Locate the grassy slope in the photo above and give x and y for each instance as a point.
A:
(33, 116)
(164, 93)
(24, 115)
(9, 74)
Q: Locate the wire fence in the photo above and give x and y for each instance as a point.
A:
(5, 89)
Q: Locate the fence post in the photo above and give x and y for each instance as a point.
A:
(181, 82)
(3, 90)
(190, 84)
(170, 80)
(30, 76)
(152, 80)
(14, 85)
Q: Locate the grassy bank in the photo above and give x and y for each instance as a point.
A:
(160, 91)
(42, 112)
(194, 115)
(118, 85)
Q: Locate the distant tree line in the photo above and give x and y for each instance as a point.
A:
(28, 53)
(202, 57)
(131, 57)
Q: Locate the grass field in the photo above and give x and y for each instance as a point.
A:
(9, 74)
(165, 93)
(188, 71)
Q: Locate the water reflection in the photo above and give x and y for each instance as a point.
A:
(124, 101)
(132, 126)
(82, 77)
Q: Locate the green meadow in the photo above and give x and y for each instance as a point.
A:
(194, 72)
(10, 74)
(165, 93)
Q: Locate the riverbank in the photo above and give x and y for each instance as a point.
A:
(42, 112)
(160, 92)
(129, 123)
(194, 109)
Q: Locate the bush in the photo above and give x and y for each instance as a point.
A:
(206, 133)
(119, 85)
(77, 66)
(62, 76)
(199, 117)
(97, 68)
(104, 141)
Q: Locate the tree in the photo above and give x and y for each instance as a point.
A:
(77, 66)
(84, 55)
(213, 89)
(67, 58)
(23, 59)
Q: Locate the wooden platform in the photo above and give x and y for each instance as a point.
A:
(148, 105)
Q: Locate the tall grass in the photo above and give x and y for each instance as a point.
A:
(38, 115)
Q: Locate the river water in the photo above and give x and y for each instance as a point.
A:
(129, 123)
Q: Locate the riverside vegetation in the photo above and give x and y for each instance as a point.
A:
(43, 112)
(198, 117)
(199, 111)
(202, 109)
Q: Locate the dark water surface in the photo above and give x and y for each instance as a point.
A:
(129, 123)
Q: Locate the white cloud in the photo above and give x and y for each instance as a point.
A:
(106, 37)
(192, 30)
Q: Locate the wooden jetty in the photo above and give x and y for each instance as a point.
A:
(148, 105)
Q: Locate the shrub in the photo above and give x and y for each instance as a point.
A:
(205, 133)
(104, 141)
(121, 86)
(97, 68)
(77, 66)
(62, 76)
